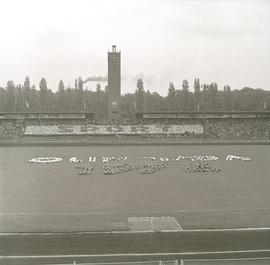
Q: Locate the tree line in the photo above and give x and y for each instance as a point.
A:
(203, 97)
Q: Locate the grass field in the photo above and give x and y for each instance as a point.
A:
(261, 261)
(53, 197)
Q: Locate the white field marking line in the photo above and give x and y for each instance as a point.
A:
(134, 231)
(170, 230)
(225, 229)
(179, 227)
(118, 263)
(135, 254)
(232, 259)
(121, 262)
(140, 212)
(151, 222)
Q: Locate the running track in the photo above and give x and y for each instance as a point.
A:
(108, 247)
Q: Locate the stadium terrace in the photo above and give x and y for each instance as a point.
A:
(249, 126)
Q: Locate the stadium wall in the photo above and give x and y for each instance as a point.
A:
(216, 126)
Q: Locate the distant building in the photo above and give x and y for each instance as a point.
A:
(114, 84)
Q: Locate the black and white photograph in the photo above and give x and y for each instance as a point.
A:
(134, 132)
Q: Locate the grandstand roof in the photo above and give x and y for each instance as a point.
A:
(201, 112)
(201, 115)
(45, 115)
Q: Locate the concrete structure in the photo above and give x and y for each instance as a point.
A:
(114, 84)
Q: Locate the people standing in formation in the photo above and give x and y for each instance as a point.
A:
(153, 168)
(202, 167)
(200, 163)
(86, 170)
(118, 168)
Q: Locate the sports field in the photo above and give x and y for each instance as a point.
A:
(54, 197)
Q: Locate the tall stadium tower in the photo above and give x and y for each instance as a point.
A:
(114, 84)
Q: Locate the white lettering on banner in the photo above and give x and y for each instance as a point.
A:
(113, 129)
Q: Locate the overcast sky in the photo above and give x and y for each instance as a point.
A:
(221, 41)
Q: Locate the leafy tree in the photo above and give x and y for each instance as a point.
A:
(205, 97)
(20, 101)
(61, 97)
(140, 96)
(61, 86)
(100, 102)
(34, 104)
(2, 99)
(11, 100)
(185, 97)
(127, 106)
(197, 94)
(98, 87)
(185, 85)
(44, 95)
(213, 93)
(227, 98)
(26, 93)
(171, 97)
(80, 83)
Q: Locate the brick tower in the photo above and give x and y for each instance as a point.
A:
(114, 84)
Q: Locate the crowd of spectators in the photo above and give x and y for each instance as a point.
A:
(15, 128)
(10, 129)
(237, 128)
(171, 121)
(223, 128)
(49, 122)
(251, 129)
(181, 130)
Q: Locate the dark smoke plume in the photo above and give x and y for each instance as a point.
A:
(96, 79)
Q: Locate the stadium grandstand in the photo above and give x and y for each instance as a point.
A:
(239, 125)
(13, 124)
(213, 125)
(47, 116)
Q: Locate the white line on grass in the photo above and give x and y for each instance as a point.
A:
(134, 232)
(141, 212)
(179, 227)
(235, 259)
(170, 230)
(117, 263)
(226, 229)
(135, 254)
(122, 262)
(151, 222)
